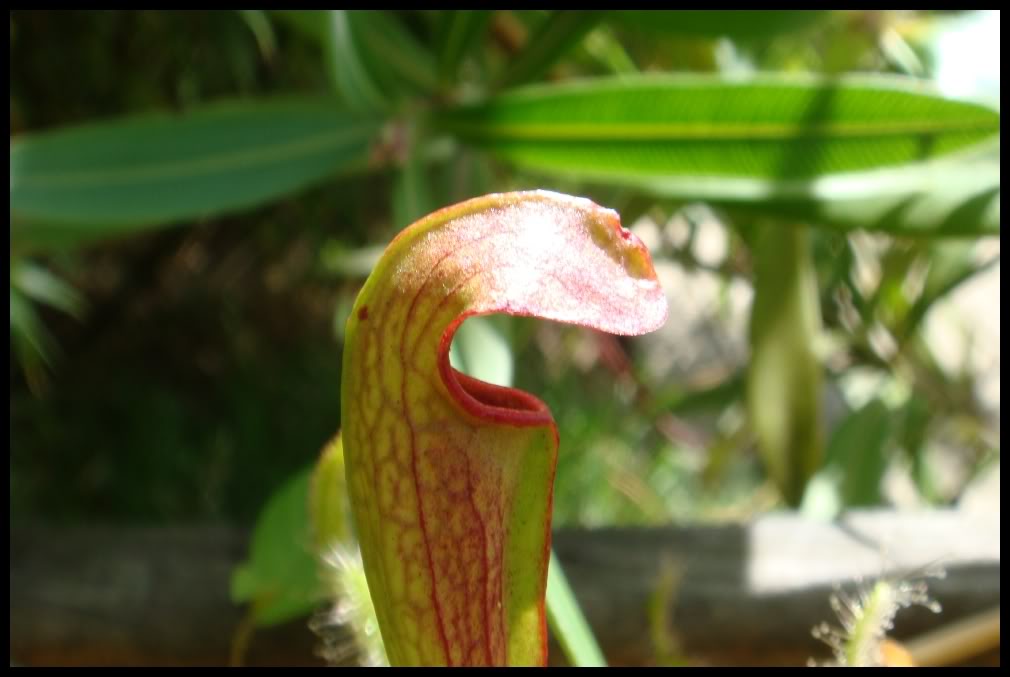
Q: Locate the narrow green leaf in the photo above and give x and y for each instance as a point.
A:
(155, 169)
(259, 25)
(676, 400)
(373, 60)
(604, 47)
(912, 427)
(746, 24)
(943, 198)
(311, 23)
(346, 63)
(783, 383)
(567, 623)
(658, 127)
(33, 343)
(770, 146)
(459, 32)
(43, 286)
(281, 577)
(555, 36)
(855, 464)
(950, 265)
(395, 56)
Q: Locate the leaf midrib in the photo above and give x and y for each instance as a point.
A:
(689, 131)
(190, 168)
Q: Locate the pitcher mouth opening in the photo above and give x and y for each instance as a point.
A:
(486, 400)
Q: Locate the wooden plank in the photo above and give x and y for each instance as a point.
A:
(745, 594)
(751, 593)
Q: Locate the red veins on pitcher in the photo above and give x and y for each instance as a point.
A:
(451, 478)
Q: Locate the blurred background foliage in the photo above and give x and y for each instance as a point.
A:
(196, 198)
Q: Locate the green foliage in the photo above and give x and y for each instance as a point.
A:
(481, 350)
(30, 339)
(783, 386)
(567, 621)
(262, 30)
(557, 34)
(938, 199)
(760, 146)
(372, 61)
(737, 24)
(280, 578)
(294, 144)
(108, 177)
(701, 126)
(459, 32)
(855, 464)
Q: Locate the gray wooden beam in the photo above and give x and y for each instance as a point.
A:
(742, 594)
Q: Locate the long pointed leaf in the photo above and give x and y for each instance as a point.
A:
(818, 151)
(855, 463)
(768, 128)
(346, 64)
(561, 31)
(459, 31)
(945, 198)
(567, 622)
(950, 265)
(280, 577)
(259, 25)
(41, 285)
(157, 169)
(396, 58)
(783, 381)
(33, 343)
